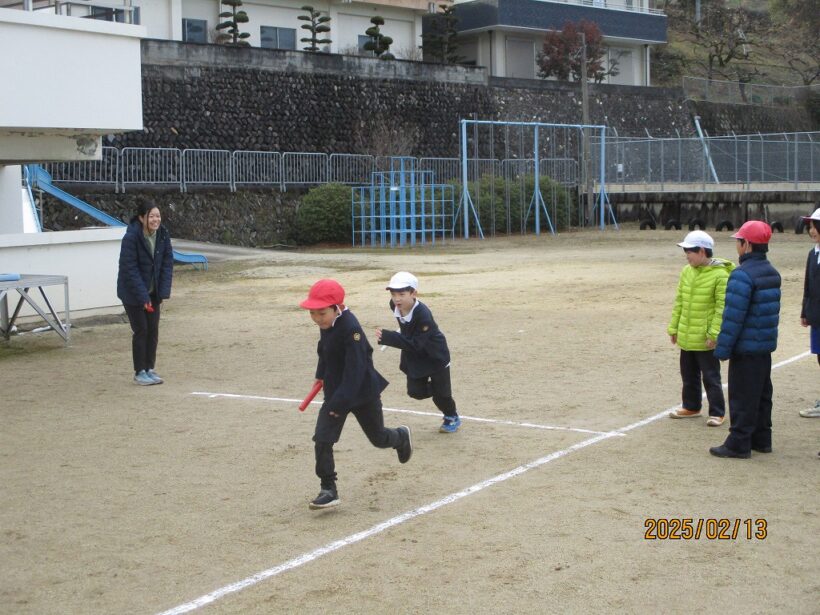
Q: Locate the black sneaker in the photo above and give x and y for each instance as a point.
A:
(405, 449)
(327, 498)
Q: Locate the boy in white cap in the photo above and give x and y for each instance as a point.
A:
(695, 324)
(810, 312)
(425, 357)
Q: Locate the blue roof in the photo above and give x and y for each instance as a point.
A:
(543, 16)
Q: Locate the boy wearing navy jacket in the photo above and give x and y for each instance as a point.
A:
(425, 357)
(748, 337)
(351, 386)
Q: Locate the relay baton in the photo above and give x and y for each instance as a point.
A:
(317, 386)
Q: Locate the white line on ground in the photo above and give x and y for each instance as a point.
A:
(306, 558)
(420, 413)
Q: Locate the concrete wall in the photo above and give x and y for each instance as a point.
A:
(77, 62)
(88, 257)
(211, 97)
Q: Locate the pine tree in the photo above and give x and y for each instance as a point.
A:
(439, 38)
(317, 27)
(229, 33)
(379, 43)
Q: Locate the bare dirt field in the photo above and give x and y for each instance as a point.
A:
(193, 494)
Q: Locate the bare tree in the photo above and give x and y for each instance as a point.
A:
(561, 54)
(722, 37)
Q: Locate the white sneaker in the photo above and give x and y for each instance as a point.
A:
(154, 376)
(811, 413)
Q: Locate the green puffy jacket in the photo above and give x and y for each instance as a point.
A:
(698, 310)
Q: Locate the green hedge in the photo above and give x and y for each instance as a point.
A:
(324, 216)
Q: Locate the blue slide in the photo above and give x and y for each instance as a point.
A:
(38, 177)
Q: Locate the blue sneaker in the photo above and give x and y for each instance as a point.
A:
(142, 378)
(450, 424)
(154, 376)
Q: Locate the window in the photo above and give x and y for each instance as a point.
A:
(103, 13)
(195, 30)
(277, 38)
(363, 40)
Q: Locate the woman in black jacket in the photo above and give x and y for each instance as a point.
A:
(144, 280)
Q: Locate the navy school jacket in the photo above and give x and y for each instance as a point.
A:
(423, 346)
(346, 366)
(811, 291)
(138, 266)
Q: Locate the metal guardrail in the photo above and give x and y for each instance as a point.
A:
(746, 159)
(300, 168)
(739, 159)
(149, 166)
(103, 171)
(208, 167)
(739, 93)
(257, 168)
(350, 168)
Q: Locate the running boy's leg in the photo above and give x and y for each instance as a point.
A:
(419, 388)
(443, 392)
(371, 420)
(328, 429)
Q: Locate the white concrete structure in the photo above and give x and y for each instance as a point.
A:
(506, 36)
(273, 23)
(82, 82)
(88, 257)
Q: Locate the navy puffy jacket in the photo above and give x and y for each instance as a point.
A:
(752, 310)
(138, 266)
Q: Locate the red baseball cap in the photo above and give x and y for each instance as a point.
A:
(754, 231)
(324, 294)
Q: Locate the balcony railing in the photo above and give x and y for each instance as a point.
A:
(635, 6)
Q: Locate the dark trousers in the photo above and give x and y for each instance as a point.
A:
(750, 402)
(695, 365)
(436, 386)
(145, 335)
(329, 428)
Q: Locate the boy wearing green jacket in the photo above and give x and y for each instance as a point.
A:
(695, 324)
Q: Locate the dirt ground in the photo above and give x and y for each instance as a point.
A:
(126, 499)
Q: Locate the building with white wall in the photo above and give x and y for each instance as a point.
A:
(506, 35)
(503, 36)
(65, 82)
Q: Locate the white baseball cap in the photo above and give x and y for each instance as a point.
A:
(814, 216)
(403, 279)
(697, 239)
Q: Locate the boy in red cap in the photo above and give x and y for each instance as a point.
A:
(351, 386)
(810, 312)
(747, 338)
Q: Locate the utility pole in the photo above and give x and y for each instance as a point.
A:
(585, 122)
